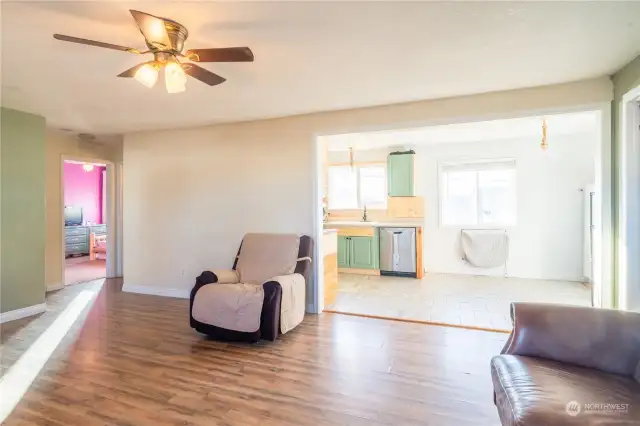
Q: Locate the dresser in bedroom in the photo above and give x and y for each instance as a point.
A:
(76, 238)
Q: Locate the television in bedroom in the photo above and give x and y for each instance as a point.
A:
(72, 216)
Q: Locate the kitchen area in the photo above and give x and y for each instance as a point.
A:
(369, 249)
(449, 224)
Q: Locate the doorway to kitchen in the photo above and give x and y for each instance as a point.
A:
(449, 224)
(85, 232)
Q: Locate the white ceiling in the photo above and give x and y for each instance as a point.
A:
(481, 131)
(309, 56)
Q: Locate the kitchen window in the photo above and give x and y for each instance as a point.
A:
(480, 194)
(358, 186)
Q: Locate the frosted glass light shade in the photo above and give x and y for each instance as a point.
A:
(175, 78)
(147, 75)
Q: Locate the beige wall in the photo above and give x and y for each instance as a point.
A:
(190, 195)
(57, 145)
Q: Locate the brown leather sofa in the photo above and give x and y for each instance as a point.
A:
(569, 365)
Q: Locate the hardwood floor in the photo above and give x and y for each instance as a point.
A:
(133, 360)
(17, 336)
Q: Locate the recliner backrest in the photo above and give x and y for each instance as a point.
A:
(264, 256)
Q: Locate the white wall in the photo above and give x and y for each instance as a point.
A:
(190, 195)
(547, 241)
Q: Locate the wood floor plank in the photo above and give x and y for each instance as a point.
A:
(133, 360)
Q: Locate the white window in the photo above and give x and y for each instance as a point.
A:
(478, 193)
(358, 186)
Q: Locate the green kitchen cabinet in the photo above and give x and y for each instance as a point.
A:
(400, 174)
(362, 253)
(358, 252)
(343, 251)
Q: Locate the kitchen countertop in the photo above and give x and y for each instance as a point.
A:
(359, 223)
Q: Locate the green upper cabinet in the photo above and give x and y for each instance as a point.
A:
(363, 253)
(343, 252)
(400, 174)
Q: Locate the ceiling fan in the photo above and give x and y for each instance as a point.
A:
(165, 40)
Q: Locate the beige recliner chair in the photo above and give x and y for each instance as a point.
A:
(262, 296)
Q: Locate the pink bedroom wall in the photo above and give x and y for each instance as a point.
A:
(84, 189)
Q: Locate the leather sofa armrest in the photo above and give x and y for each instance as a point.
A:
(604, 339)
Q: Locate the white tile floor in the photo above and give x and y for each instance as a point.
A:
(455, 299)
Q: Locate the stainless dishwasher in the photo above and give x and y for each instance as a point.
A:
(398, 251)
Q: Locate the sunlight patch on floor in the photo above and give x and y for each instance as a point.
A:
(15, 382)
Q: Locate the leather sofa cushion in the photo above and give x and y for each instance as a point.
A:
(536, 391)
(263, 256)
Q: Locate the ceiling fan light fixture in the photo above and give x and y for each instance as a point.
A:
(156, 29)
(174, 77)
(165, 41)
(147, 75)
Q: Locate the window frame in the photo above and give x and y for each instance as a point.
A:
(470, 165)
(357, 165)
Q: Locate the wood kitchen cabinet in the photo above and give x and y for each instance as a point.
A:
(330, 247)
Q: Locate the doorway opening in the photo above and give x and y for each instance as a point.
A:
(628, 291)
(85, 233)
(449, 224)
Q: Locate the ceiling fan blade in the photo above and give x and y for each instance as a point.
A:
(226, 54)
(132, 71)
(153, 29)
(202, 74)
(95, 43)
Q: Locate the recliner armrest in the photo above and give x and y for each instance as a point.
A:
(225, 276)
(293, 301)
(604, 339)
(288, 277)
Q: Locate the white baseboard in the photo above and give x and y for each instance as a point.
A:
(170, 292)
(54, 287)
(22, 313)
(156, 291)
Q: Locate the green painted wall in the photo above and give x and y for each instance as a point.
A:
(22, 205)
(623, 81)
(626, 79)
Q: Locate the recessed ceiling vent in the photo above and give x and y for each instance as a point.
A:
(87, 137)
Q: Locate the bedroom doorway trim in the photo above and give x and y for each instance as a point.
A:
(114, 262)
